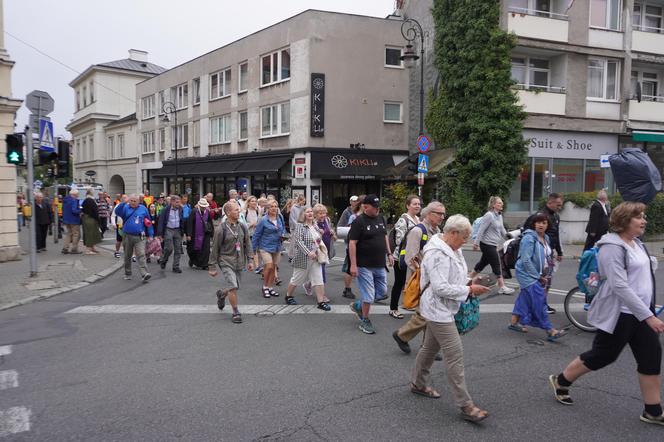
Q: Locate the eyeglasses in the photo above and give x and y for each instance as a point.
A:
(439, 213)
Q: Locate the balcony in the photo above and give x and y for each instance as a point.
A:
(542, 25)
(651, 108)
(649, 40)
(542, 100)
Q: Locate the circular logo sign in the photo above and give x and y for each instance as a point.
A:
(339, 161)
(423, 143)
(319, 83)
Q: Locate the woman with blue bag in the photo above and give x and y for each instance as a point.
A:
(534, 267)
(445, 287)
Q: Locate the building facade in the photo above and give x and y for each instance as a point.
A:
(315, 104)
(588, 74)
(9, 248)
(103, 127)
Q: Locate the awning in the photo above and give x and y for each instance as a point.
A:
(351, 165)
(215, 168)
(225, 166)
(165, 171)
(652, 137)
(438, 159)
(263, 165)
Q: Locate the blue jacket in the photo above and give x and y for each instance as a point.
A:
(531, 264)
(133, 220)
(268, 236)
(186, 211)
(163, 220)
(71, 210)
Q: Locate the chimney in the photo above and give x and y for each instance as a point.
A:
(138, 55)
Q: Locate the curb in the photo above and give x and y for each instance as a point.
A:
(53, 292)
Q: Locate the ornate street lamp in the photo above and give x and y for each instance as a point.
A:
(170, 109)
(412, 30)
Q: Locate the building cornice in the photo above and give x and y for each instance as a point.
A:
(94, 68)
(91, 117)
(567, 47)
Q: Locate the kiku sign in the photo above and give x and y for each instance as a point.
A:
(317, 105)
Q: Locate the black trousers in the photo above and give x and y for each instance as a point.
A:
(42, 232)
(399, 283)
(643, 341)
(490, 257)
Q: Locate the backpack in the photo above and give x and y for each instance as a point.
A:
(587, 276)
(392, 235)
(636, 176)
(476, 228)
(402, 246)
(512, 252)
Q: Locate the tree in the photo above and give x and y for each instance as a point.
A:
(475, 110)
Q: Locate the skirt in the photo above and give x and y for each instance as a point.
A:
(91, 232)
(530, 306)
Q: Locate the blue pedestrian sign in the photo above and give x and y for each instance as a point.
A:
(604, 161)
(423, 143)
(423, 163)
(46, 141)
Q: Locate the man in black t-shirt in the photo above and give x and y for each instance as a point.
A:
(368, 248)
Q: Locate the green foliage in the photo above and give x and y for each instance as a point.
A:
(475, 109)
(393, 203)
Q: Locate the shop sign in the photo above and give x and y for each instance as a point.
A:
(341, 162)
(317, 105)
(572, 145)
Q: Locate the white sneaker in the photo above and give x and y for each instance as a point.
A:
(504, 290)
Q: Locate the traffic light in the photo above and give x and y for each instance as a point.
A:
(46, 157)
(412, 164)
(14, 149)
(63, 159)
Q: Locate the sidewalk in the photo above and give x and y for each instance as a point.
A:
(56, 273)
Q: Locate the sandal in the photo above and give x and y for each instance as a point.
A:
(650, 419)
(273, 293)
(266, 292)
(324, 306)
(290, 300)
(237, 318)
(555, 336)
(426, 392)
(395, 314)
(517, 328)
(476, 414)
(277, 281)
(561, 393)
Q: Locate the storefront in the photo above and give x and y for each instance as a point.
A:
(561, 162)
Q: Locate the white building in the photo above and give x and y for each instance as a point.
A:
(103, 127)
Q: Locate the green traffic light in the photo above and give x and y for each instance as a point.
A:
(14, 157)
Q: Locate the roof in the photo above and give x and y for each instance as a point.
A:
(133, 65)
(130, 117)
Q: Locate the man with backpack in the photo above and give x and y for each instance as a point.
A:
(432, 217)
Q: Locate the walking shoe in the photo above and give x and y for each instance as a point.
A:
(356, 309)
(177, 270)
(116, 254)
(127, 277)
(133, 259)
(381, 299)
(290, 300)
(438, 357)
(324, 306)
(403, 345)
(75, 252)
(259, 270)
(65, 252)
(273, 292)
(550, 310)
(307, 288)
(221, 299)
(504, 290)
(146, 277)
(277, 281)
(236, 318)
(162, 264)
(649, 419)
(367, 327)
(348, 293)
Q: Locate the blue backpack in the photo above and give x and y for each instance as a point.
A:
(588, 274)
(476, 228)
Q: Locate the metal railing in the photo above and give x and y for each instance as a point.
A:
(538, 13)
(536, 88)
(650, 29)
(656, 98)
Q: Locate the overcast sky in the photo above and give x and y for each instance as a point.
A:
(79, 33)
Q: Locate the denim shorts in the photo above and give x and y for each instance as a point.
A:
(372, 282)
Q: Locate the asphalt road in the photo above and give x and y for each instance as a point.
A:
(185, 372)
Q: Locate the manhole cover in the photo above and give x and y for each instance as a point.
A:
(264, 314)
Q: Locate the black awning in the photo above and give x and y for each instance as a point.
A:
(263, 165)
(165, 171)
(213, 168)
(351, 165)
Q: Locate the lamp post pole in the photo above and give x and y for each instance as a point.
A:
(169, 108)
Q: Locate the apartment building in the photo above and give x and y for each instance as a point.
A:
(104, 124)
(588, 74)
(314, 104)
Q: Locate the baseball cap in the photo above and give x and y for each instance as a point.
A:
(354, 198)
(371, 199)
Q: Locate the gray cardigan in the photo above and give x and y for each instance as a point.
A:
(615, 290)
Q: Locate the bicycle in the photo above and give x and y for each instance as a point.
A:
(576, 309)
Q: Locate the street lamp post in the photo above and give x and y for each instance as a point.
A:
(411, 30)
(169, 108)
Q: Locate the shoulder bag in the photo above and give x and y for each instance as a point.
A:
(468, 316)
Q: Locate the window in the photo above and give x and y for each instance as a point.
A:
(647, 17)
(393, 58)
(391, 112)
(85, 96)
(220, 84)
(605, 14)
(92, 92)
(162, 100)
(603, 78)
(529, 72)
(84, 149)
(181, 95)
(196, 128)
(649, 85)
(148, 106)
(532, 7)
(196, 86)
(78, 100)
(243, 125)
(181, 135)
(162, 139)
(220, 129)
(121, 146)
(243, 77)
(91, 147)
(275, 120)
(109, 146)
(77, 151)
(148, 142)
(275, 67)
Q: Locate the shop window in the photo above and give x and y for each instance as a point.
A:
(567, 176)
(519, 197)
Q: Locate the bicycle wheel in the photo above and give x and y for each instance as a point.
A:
(576, 310)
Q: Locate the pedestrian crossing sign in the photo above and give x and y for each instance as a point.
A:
(423, 163)
(46, 141)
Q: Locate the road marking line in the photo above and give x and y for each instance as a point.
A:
(253, 309)
(5, 350)
(14, 420)
(8, 379)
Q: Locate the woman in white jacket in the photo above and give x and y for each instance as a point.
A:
(445, 283)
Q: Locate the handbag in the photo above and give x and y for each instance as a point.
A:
(321, 253)
(468, 316)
